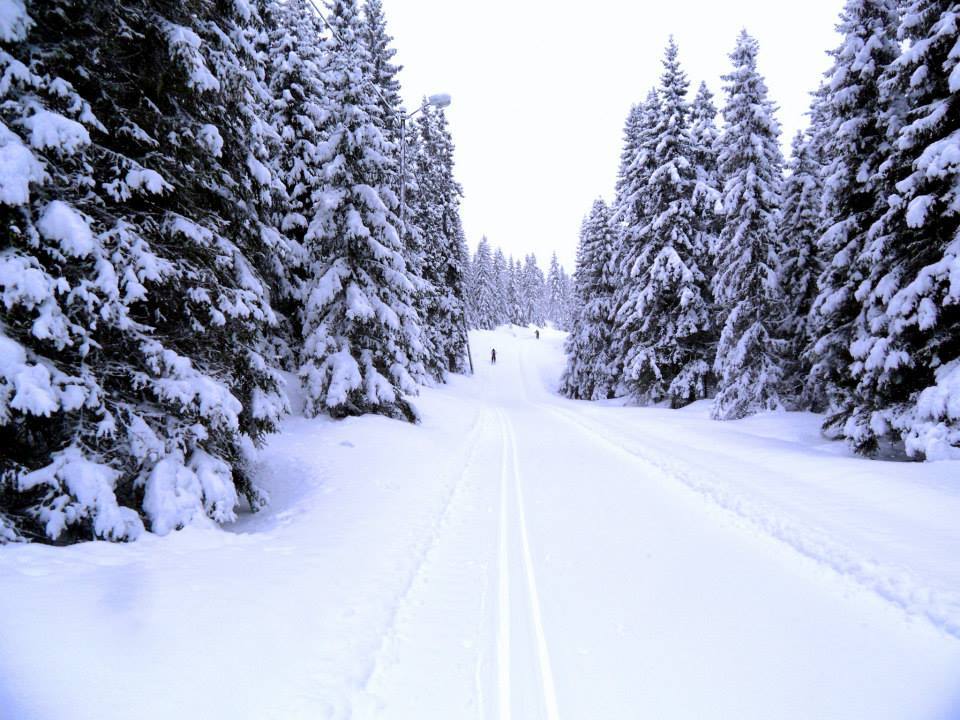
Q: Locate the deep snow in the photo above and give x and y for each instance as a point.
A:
(517, 555)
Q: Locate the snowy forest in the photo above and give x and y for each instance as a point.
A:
(196, 198)
(504, 291)
(325, 394)
(829, 282)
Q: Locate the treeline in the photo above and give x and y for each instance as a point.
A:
(830, 283)
(194, 197)
(503, 291)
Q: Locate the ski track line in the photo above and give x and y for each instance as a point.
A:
(896, 587)
(423, 559)
(478, 667)
(503, 608)
(543, 653)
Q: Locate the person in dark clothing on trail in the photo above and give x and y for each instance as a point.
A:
(493, 356)
(537, 332)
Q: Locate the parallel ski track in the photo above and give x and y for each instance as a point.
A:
(423, 560)
(510, 473)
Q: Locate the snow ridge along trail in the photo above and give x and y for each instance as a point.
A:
(517, 556)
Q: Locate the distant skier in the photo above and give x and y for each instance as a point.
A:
(493, 356)
(537, 333)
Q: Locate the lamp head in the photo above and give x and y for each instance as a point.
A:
(441, 100)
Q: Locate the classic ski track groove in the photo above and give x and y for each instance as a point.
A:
(423, 560)
(543, 653)
(503, 594)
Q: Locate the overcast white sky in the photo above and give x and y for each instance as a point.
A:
(541, 89)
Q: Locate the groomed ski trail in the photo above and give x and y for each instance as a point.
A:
(517, 556)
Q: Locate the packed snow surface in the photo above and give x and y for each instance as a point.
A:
(517, 555)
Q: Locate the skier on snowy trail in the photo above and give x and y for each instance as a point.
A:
(493, 356)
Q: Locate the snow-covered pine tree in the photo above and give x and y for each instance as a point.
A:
(629, 215)
(533, 292)
(298, 112)
(383, 71)
(436, 215)
(553, 299)
(362, 344)
(632, 133)
(907, 348)
(501, 281)
(800, 229)
(133, 383)
(704, 137)
(514, 291)
(569, 299)
(749, 362)
(589, 374)
(669, 348)
(856, 144)
(482, 302)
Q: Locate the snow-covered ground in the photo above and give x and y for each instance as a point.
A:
(521, 556)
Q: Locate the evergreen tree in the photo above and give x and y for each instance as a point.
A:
(856, 143)
(569, 299)
(907, 348)
(298, 113)
(589, 374)
(800, 228)
(362, 345)
(532, 293)
(629, 216)
(632, 137)
(554, 292)
(750, 353)
(501, 282)
(514, 291)
(483, 300)
(668, 341)
(704, 138)
(383, 72)
(134, 380)
(436, 215)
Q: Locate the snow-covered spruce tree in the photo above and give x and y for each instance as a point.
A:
(669, 346)
(632, 132)
(132, 379)
(629, 215)
(513, 283)
(554, 293)
(589, 374)
(298, 112)
(569, 299)
(856, 144)
(749, 362)
(704, 137)
(907, 348)
(482, 301)
(435, 213)
(383, 71)
(361, 336)
(533, 292)
(501, 281)
(800, 229)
